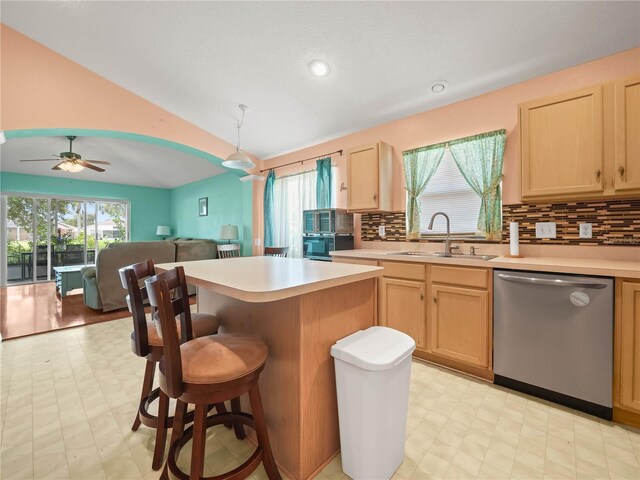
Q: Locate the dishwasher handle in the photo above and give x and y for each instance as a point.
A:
(550, 281)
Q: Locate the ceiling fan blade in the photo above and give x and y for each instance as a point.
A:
(54, 155)
(57, 167)
(42, 160)
(92, 167)
(101, 162)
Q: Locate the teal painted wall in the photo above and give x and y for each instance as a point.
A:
(149, 207)
(247, 218)
(230, 202)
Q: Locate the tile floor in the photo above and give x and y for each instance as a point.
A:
(71, 395)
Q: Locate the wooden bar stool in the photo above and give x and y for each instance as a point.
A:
(146, 343)
(203, 371)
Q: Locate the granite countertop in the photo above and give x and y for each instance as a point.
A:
(609, 268)
(266, 279)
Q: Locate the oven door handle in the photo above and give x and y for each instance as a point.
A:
(550, 282)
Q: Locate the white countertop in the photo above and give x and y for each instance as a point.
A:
(608, 268)
(265, 279)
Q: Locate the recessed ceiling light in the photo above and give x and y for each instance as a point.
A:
(319, 68)
(438, 86)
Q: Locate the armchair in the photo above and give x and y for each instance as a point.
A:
(90, 293)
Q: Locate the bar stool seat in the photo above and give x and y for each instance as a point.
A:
(233, 355)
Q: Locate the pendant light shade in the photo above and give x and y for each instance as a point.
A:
(239, 159)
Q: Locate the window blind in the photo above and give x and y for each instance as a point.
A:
(450, 193)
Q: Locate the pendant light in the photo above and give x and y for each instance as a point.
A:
(239, 159)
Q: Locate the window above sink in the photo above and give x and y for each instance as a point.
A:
(449, 192)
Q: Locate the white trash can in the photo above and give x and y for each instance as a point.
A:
(373, 370)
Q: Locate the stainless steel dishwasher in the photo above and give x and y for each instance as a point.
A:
(553, 337)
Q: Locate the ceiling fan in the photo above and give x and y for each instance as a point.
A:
(70, 161)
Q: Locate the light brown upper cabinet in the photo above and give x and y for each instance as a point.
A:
(370, 178)
(627, 132)
(582, 145)
(561, 145)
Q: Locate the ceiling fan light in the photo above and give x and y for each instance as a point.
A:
(238, 160)
(71, 167)
(74, 168)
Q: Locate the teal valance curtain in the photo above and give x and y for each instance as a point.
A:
(268, 208)
(323, 183)
(480, 159)
(419, 166)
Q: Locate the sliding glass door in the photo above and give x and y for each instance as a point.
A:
(41, 233)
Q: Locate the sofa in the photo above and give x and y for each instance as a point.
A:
(101, 283)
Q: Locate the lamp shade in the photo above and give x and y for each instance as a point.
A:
(229, 232)
(164, 230)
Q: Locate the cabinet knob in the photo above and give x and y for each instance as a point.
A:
(435, 300)
(621, 171)
(598, 175)
(421, 296)
(375, 196)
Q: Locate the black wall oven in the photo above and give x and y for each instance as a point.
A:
(317, 247)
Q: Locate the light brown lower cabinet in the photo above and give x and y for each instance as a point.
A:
(459, 319)
(626, 392)
(459, 324)
(402, 307)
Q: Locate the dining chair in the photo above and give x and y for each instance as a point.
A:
(229, 250)
(276, 251)
(204, 371)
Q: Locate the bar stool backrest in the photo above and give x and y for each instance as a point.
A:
(159, 288)
(130, 277)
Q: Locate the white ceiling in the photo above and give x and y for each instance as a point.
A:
(132, 162)
(199, 60)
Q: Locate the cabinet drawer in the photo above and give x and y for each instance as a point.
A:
(410, 271)
(356, 261)
(471, 277)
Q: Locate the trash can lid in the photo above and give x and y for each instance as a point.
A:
(376, 348)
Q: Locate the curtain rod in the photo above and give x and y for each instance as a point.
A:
(302, 161)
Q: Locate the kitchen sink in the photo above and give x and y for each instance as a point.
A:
(442, 255)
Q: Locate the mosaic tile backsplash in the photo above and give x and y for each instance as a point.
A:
(614, 222)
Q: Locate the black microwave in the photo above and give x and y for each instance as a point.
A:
(317, 247)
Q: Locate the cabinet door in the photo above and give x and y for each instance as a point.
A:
(363, 178)
(630, 346)
(402, 307)
(561, 145)
(459, 324)
(627, 166)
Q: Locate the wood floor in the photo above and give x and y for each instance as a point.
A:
(36, 308)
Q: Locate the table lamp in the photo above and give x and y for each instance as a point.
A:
(163, 231)
(229, 232)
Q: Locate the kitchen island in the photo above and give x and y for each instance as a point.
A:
(299, 308)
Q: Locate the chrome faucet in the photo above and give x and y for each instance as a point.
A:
(447, 241)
